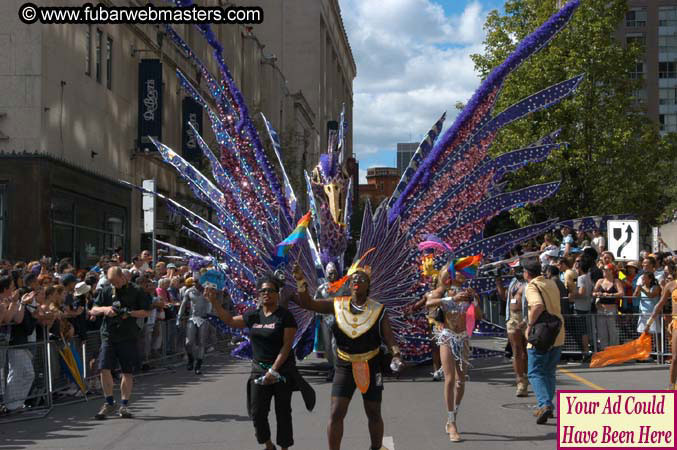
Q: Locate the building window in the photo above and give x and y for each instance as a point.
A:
(667, 96)
(668, 123)
(99, 41)
(667, 16)
(85, 229)
(109, 62)
(88, 50)
(3, 201)
(635, 39)
(667, 44)
(635, 18)
(667, 70)
(637, 72)
(640, 95)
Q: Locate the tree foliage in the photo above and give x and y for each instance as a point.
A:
(616, 160)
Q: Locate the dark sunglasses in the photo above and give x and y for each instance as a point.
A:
(267, 291)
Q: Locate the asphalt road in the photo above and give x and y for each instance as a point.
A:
(177, 410)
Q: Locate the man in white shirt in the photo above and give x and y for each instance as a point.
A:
(598, 241)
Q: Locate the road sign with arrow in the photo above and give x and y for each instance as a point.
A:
(623, 237)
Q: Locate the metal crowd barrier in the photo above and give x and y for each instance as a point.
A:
(25, 380)
(603, 329)
(34, 375)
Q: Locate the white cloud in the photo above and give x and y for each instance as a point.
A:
(413, 63)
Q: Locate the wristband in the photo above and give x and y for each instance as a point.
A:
(274, 373)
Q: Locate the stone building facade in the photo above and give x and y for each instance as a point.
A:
(69, 104)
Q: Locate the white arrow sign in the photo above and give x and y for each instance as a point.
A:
(623, 237)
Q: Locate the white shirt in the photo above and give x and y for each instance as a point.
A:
(597, 243)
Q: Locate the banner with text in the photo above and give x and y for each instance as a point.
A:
(615, 419)
(150, 103)
(191, 113)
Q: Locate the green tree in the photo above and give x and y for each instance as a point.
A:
(616, 160)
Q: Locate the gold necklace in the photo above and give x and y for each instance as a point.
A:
(345, 311)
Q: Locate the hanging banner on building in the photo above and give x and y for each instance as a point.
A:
(150, 103)
(192, 113)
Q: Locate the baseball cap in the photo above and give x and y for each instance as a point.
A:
(68, 279)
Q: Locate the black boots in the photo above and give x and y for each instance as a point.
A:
(190, 363)
(198, 365)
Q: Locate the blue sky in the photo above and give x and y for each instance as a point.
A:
(413, 63)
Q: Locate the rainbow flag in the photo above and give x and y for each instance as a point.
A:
(467, 265)
(297, 235)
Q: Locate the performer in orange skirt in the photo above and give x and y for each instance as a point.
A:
(360, 328)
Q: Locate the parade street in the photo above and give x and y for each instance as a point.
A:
(176, 410)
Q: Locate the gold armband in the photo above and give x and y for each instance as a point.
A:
(395, 350)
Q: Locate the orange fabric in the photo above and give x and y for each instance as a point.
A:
(361, 375)
(640, 348)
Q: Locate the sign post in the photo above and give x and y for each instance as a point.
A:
(148, 205)
(623, 238)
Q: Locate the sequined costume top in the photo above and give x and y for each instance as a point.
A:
(197, 305)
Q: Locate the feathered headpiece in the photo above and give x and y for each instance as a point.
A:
(338, 284)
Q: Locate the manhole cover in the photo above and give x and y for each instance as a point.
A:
(521, 406)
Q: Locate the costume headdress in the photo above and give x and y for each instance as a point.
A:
(338, 284)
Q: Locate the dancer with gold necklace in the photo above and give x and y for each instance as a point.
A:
(360, 328)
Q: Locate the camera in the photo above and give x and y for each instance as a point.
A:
(120, 310)
(496, 271)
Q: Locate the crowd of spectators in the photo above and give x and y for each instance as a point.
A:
(602, 299)
(44, 301)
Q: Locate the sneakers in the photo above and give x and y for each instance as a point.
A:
(543, 414)
(124, 412)
(106, 410)
(438, 374)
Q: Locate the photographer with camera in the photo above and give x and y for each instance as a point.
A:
(121, 303)
(516, 323)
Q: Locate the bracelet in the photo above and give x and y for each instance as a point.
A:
(395, 350)
(274, 373)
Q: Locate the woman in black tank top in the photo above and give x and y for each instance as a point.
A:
(607, 292)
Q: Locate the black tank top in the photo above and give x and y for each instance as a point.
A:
(609, 300)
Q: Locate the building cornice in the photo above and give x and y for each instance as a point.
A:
(25, 155)
(336, 9)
